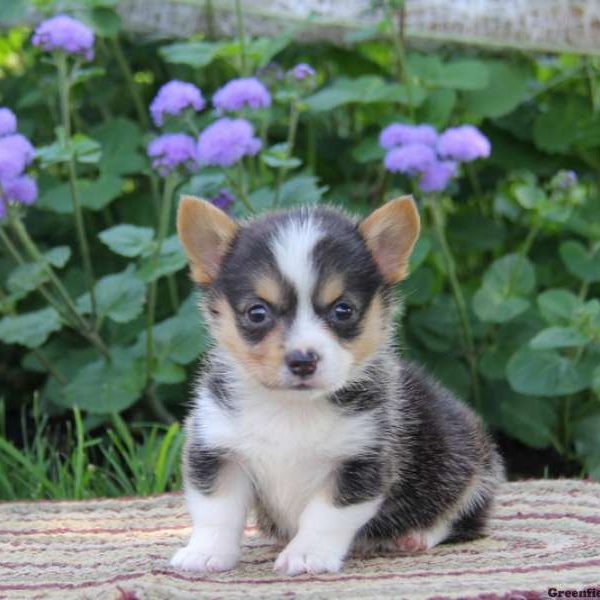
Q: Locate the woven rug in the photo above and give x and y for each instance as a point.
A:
(545, 534)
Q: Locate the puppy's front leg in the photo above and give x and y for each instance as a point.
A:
(331, 520)
(218, 517)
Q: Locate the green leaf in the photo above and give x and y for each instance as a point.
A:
(546, 373)
(596, 381)
(558, 306)
(465, 74)
(128, 240)
(106, 21)
(368, 150)
(302, 189)
(172, 258)
(586, 433)
(533, 421)
(277, 156)
(420, 253)
(580, 262)
(80, 148)
(179, 339)
(30, 329)
(566, 121)
(529, 195)
(102, 387)
(505, 283)
(169, 373)
(194, 54)
(558, 337)
(205, 185)
(493, 306)
(419, 287)
(471, 230)
(120, 296)
(26, 278)
(59, 256)
(93, 194)
(362, 90)
(121, 139)
(506, 89)
(437, 107)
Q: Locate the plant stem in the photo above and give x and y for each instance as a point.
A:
(65, 88)
(402, 70)
(459, 300)
(171, 184)
(136, 97)
(239, 188)
(291, 140)
(241, 36)
(52, 369)
(36, 255)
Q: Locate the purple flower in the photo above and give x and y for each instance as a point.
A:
(242, 92)
(8, 121)
(22, 189)
(464, 143)
(410, 159)
(564, 180)
(65, 33)
(302, 71)
(436, 177)
(398, 134)
(12, 163)
(173, 150)
(173, 98)
(225, 141)
(223, 199)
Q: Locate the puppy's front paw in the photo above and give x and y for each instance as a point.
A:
(296, 559)
(194, 558)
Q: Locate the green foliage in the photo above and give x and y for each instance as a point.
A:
(525, 245)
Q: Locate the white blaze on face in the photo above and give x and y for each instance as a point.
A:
(293, 248)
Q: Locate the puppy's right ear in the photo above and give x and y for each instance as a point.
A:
(206, 233)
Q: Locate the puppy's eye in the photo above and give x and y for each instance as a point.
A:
(257, 313)
(342, 311)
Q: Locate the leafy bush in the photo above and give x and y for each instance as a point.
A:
(502, 303)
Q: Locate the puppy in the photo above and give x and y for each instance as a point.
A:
(305, 412)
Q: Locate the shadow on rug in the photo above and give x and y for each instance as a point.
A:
(545, 534)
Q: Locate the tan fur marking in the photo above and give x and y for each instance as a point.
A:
(331, 290)
(262, 360)
(269, 289)
(205, 232)
(391, 233)
(373, 333)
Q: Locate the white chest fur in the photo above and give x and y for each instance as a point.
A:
(289, 446)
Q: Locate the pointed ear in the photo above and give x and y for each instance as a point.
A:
(390, 233)
(206, 233)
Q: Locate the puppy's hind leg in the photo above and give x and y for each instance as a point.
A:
(218, 519)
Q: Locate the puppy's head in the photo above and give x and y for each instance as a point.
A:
(300, 299)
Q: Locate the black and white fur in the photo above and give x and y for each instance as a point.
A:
(368, 453)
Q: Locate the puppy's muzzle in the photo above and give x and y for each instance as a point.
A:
(302, 364)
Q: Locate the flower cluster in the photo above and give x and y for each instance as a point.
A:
(175, 97)
(302, 71)
(172, 151)
(226, 141)
(66, 34)
(16, 153)
(418, 150)
(241, 93)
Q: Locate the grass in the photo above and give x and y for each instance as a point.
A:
(125, 459)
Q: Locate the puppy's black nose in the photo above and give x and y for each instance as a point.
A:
(302, 363)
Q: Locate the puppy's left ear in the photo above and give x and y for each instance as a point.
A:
(206, 233)
(391, 233)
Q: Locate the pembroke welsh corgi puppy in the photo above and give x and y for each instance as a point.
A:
(305, 413)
